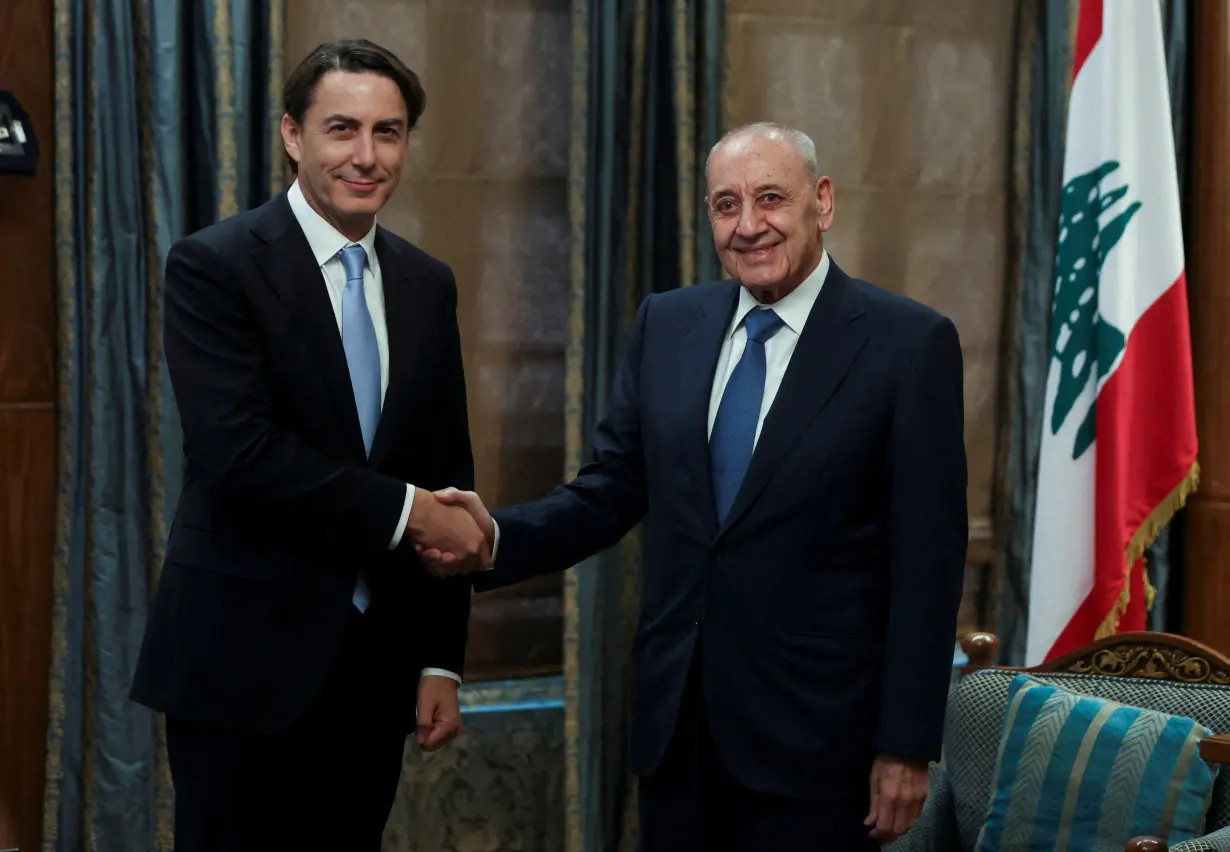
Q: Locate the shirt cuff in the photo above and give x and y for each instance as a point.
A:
(405, 517)
(495, 545)
(441, 673)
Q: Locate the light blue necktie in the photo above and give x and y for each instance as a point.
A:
(363, 359)
(359, 341)
(734, 428)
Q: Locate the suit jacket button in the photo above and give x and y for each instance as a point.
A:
(700, 619)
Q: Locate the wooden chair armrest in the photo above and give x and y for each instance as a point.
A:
(1216, 749)
(1146, 844)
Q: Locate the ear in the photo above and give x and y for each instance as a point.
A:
(292, 135)
(825, 200)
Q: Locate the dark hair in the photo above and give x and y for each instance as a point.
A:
(356, 56)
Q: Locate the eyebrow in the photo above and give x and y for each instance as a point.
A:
(346, 119)
(764, 187)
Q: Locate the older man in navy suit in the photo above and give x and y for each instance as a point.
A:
(793, 440)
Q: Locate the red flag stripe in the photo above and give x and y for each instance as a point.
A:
(1146, 445)
(1088, 31)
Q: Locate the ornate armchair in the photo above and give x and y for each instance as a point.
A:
(1156, 671)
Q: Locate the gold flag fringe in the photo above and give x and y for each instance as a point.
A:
(1144, 536)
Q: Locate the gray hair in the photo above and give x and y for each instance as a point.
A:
(771, 130)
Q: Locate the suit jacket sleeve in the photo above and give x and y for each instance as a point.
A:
(216, 359)
(929, 529)
(598, 508)
(448, 600)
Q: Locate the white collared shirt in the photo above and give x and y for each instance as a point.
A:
(793, 308)
(326, 242)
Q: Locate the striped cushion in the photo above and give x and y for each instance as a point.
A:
(1081, 773)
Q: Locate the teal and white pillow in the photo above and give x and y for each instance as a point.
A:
(1085, 774)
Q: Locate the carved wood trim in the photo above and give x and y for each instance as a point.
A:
(1152, 656)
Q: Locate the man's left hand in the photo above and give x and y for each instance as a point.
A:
(898, 789)
(439, 712)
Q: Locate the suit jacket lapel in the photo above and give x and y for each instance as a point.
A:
(698, 355)
(412, 327)
(290, 268)
(831, 340)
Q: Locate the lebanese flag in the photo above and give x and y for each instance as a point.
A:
(1118, 454)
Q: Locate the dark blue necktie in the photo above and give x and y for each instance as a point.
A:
(734, 428)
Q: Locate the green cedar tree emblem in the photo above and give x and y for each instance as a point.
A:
(1080, 337)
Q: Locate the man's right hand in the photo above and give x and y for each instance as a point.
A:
(439, 528)
(444, 562)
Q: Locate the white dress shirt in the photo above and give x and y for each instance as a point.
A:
(793, 308)
(326, 242)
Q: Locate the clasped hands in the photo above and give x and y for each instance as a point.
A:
(452, 531)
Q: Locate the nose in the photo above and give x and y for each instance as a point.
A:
(751, 222)
(363, 154)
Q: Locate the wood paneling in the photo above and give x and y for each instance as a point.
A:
(27, 482)
(27, 326)
(485, 189)
(909, 104)
(1208, 593)
(27, 428)
(1208, 516)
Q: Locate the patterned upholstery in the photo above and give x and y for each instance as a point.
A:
(975, 717)
(1217, 841)
(934, 829)
(1099, 770)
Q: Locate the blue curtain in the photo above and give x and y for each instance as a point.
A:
(167, 114)
(646, 78)
(1046, 30)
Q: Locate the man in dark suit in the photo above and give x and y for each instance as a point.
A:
(316, 362)
(793, 439)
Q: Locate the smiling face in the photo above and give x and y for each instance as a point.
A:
(767, 213)
(349, 148)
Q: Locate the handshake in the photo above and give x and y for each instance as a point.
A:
(452, 531)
